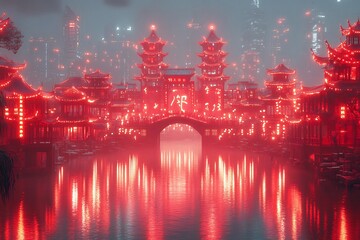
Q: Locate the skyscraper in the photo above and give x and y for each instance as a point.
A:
(44, 67)
(71, 30)
(253, 44)
(280, 42)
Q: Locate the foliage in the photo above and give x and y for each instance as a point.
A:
(10, 36)
(7, 176)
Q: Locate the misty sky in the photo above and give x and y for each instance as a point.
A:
(43, 18)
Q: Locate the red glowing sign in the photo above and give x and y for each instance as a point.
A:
(179, 101)
(212, 99)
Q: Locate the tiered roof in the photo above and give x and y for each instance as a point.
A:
(72, 95)
(16, 86)
(152, 57)
(212, 58)
(348, 52)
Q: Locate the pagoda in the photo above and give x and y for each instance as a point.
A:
(280, 103)
(98, 90)
(212, 78)
(151, 68)
(331, 111)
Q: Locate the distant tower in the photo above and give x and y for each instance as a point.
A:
(71, 29)
(280, 42)
(316, 31)
(192, 32)
(44, 61)
(212, 78)
(253, 44)
(151, 68)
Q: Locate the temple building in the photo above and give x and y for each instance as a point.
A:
(331, 112)
(73, 121)
(98, 90)
(179, 90)
(151, 68)
(281, 102)
(212, 78)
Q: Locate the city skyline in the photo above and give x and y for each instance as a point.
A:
(171, 19)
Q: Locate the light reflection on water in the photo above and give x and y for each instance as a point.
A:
(180, 192)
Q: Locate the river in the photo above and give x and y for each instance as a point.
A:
(179, 192)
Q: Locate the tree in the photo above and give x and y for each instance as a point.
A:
(7, 176)
(10, 36)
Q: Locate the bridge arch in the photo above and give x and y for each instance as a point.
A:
(154, 129)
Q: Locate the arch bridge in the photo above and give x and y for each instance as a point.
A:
(210, 130)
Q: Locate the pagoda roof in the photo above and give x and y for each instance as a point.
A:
(212, 37)
(320, 60)
(280, 83)
(97, 75)
(352, 28)
(17, 85)
(146, 54)
(153, 38)
(179, 71)
(280, 69)
(154, 66)
(72, 94)
(77, 82)
(285, 97)
(5, 63)
(220, 53)
(204, 64)
(313, 90)
(214, 78)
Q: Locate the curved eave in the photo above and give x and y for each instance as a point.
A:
(337, 55)
(152, 54)
(280, 69)
(319, 60)
(212, 65)
(352, 29)
(276, 83)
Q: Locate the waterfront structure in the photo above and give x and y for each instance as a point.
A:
(280, 104)
(23, 104)
(72, 123)
(151, 68)
(330, 112)
(212, 78)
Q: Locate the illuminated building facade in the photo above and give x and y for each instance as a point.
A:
(179, 90)
(24, 105)
(151, 68)
(73, 121)
(331, 112)
(281, 102)
(71, 31)
(98, 90)
(212, 78)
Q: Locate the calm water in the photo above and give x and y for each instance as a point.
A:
(179, 193)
